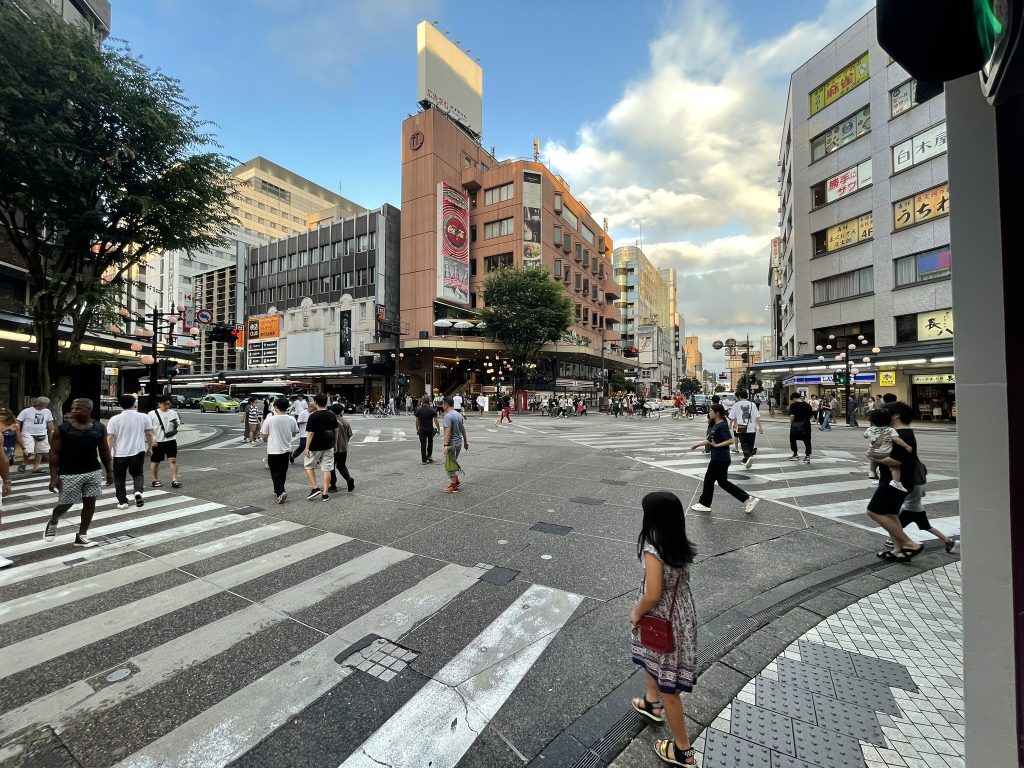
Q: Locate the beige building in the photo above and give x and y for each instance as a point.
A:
(694, 358)
(648, 309)
(274, 202)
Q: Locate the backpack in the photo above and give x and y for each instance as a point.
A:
(745, 413)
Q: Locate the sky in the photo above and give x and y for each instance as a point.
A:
(664, 116)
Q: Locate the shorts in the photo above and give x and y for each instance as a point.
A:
(36, 444)
(320, 460)
(918, 518)
(74, 488)
(876, 455)
(168, 449)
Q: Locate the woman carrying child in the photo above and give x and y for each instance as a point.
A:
(883, 437)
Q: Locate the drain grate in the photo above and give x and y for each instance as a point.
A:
(588, 500)
(552, 528)
(247, 510)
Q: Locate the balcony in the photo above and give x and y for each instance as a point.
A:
(471, 178)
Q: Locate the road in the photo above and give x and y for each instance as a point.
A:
(395, 625)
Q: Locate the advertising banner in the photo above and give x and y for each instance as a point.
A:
(937, 324)
(887, 378)
(265, 327)
(923, 146)
(345, 334)
(647, 349)
(921, 207)
(902, 97)
(452, 244)
(848, 181)
(449, 79)
(531, 219)
(841, 83)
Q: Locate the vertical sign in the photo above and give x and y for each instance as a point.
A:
(345, 334)
(646, 345)
(531, 219)
(452, 244)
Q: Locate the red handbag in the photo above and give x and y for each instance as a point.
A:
(655, 632)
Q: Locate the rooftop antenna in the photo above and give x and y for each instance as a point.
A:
(536, 150)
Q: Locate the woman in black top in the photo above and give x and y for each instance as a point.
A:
(800, 415)
(718, 440)
(884, 507)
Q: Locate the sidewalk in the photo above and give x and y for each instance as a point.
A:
(878, 684)
(949, 426)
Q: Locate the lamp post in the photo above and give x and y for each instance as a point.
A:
(158, 321)
(850, 368)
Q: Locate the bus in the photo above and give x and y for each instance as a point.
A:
(285, 387)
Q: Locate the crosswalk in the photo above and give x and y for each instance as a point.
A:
(361, 435)
(212, 632)
(833, 486)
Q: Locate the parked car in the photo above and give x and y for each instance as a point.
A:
(182, 401)
(728, 399)
(218, 404)
(699, 403)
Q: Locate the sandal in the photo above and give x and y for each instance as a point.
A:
(910, 553)
(661, 749)
(175, 483)
(652, 710)
(157, 484)
(892, 556)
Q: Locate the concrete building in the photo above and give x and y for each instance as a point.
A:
(218, 291)
(94, 14)
(694, 358)
(864, 249)
(647, 311)
(274, 202)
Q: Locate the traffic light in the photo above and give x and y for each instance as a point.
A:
(841, 378)
(723, 375)
(630, 352)
(745, 357)
(166, 369)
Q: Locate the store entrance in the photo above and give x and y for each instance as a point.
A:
(934, 402)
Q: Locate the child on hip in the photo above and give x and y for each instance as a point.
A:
(883, 437)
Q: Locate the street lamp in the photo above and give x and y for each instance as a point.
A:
(850, 369)
(158, 321)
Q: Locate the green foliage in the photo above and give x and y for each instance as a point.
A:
(719, 387)
(689, 386)
(525, 309)
(617, 382)
(103, 161)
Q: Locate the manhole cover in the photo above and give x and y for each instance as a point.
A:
(118, 674)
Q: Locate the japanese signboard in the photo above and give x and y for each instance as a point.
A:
(646, 342)
(921, 207)
(848, 181)
(935, 325)
(849, 232)
(902, 97)
(531, 219)
(841, 83)
(923, 146)
(266, 327)
(933, 378)
(452, 244)
(887, 378)
(261, 354)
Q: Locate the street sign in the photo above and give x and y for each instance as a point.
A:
(730, 342)
(110, 371)
(717, 345)
(204, 316)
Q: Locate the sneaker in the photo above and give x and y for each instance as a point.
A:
(794, 457)
(451, 488)
(122, 505)
(749, 461)
(332, 489)
(888, 544)
(424, 461)
(283, 497)
(325, 497)
(429, 460)
(351, 485)
(951, 544)
(807, 459)
(313, 493)
(85, 543)
(51, 532)
(265, 464)
(751, 503)
(700, 508)
(138, 499)
(898, 486)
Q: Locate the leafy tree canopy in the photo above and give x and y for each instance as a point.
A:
(103, 161)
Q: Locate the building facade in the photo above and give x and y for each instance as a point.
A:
(648, 308)
(863, 256)
(93, 14)
(694, 358)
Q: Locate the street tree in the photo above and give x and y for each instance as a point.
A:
(103, 162)
(524, 309)
(689, 386)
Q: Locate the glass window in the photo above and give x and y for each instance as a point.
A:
(373, 275)
(472, 267)
(291, 261)
(372, 240)
(280, 263)
(558, 235)
(347, 278)
(570, 217)
(360, 277)
(558, 269)
(350, 246)
(499, 194)
(263, 268)
(302, 258)
(362, 243)
(337, 250)
(841, 134)
(587, 234)
(362, 316)
(498, 228)
(842, 235)
(497, 261)
(922, 267)
(845, 286)
(325, 253)
(472, 233)
(924, 146)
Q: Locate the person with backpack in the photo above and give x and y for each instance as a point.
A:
(745, 419)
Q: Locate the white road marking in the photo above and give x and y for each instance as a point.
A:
(859, 506)
(76, 511)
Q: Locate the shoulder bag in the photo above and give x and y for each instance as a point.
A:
(655, 632)
(168, 433)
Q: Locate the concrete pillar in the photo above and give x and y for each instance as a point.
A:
(983, 169)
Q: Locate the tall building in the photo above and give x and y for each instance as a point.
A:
(217, 291)
(860, 261)
(694, 358)
(94, 14)
(647, 317)
(274, 202)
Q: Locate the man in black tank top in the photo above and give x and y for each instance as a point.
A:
(77, 448)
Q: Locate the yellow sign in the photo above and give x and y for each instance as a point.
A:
(849, 232)
(887, 378)
(935, 325)
(921, 207)
(841, 83)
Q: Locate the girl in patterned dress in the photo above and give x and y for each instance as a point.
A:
(666, 555)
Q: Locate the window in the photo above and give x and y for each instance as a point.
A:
(586, 285)
(372, 240)
(558, 202)
(350, 246)
(337, 250)
(360, 277)
(373, 275)
(578, 281)
(922, 267)
(587, 234)
(570, 217)
(558, 269)
(593, 291)
(498, 228)
(472, 267)
(291, 261)
(586, 315)
(325, 284)
(302, 258)
(472, 233)
(846, 286)
(362, 316)
(497, 261)
(472, 300)
(558, 236)
(362, 241)
(472, 201)
(921, 207)
(499, 194)
(842, 235)
(578, 310)
(842, 184)
(325, 253)
(923, 146)
(844, 336)
(841, 83)
(841, 134)
(263, 268)
(335, 285)
(280, 263)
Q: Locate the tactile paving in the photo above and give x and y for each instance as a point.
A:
(865, 693)
(819, 655)
(844, 717)
(828, 749)
(762, 726)
(883, 671)
(723, 750)
(807, 676)
(785, 699)
(780, 760)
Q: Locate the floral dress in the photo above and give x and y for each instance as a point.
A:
(676, 671)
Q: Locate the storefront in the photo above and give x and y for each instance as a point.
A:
(826, 384)
(933, 396)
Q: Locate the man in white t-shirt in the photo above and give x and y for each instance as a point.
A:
(278, 429)
(36, 427)
(745, 420)
(130, 435)
(165, 422)
(481, 403)
(457, 400)
(301, 419)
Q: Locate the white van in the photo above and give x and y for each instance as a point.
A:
(728, 399)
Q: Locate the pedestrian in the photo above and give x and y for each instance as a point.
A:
(481, 403)
(458, 401)
(438, 402)
(825, 409)
(718, 467)
(771, 405)
(342, 435)
(745, 419)
(427, 426)
(800, 415)
(11, 432)
(36, 424)
(889, 398)
(165, 423)
(455, 439)
(887, 501)
(871, 403)
(506, 411)
(266, 409)
(665, 602)
(408, 405)
(277, 430)
(615, 404)
(816, 408)
(251, 421)
(883, 438)
(913, 510)
(5, 490)
(321, 428)
(301, 419)
(130, 435)
(79, 448)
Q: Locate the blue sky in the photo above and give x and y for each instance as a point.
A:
(631, 101)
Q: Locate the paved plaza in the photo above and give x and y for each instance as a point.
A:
(396, 625)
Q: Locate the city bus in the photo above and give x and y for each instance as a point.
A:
(285, 387)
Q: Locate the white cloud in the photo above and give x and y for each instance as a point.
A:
(688, 153)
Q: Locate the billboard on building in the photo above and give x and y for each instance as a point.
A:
(345, 334)
(449, 79)
(452, 244)
(532, 250)
(647, 345)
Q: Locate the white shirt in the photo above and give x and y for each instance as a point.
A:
(164, 424)
(34, 422)
(278, 430)
(481, 401)
(457, 402)
(129, 428)
(736, 413)
(302, 417)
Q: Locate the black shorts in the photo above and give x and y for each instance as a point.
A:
(165, 450)
(920, 519)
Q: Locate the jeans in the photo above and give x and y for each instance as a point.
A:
(826, 417)
(718, 472)
(128, 465)
(800, 431)
(746, 441)
(278, 463)
(300, 448)
(426, 444)
(340, 457)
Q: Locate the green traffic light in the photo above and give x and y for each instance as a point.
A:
(989, 26)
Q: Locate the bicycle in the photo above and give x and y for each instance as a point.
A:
(677, 414)
(648, 413)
